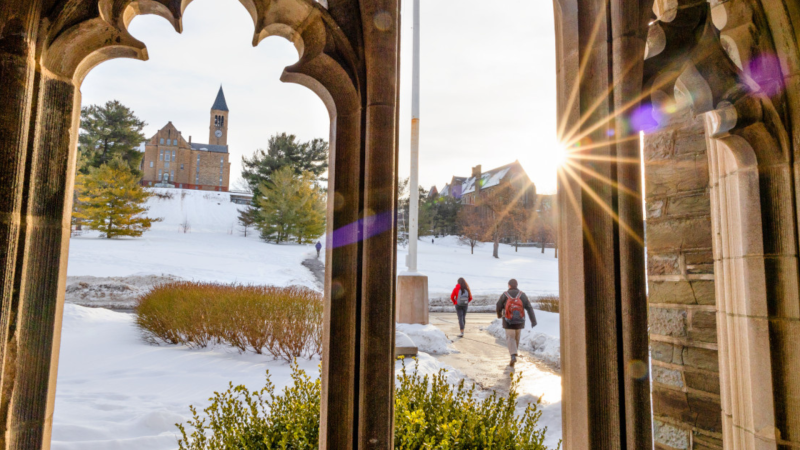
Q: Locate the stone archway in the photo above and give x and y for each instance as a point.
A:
(348, 56)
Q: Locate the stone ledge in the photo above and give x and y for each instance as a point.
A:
(683, 342)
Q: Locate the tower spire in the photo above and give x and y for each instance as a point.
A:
(220, 104)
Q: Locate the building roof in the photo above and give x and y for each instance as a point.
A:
(488, 179)
(210, 148)
(220, 104)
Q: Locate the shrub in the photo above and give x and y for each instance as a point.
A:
(429, 413)
(547, 303)
(285, 322)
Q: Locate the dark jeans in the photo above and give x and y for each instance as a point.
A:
(462, 315)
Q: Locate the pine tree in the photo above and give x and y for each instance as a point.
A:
(112, 202)
(247, 219)
(290, 207)
(284, 151)
(108, 133)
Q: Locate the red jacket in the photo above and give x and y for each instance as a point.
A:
(454, 295)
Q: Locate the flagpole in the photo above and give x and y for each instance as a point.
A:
(413, 183)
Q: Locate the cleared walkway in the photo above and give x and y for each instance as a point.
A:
(484, 359)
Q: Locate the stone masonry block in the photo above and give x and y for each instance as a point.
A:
(704, 326)
(689, 205)
(662, 351)
(670, 377)
(699, 257)
(663, 264)
(658, 145)
(676, 292)
(701, 381)
(708, 412)
(690, 139)
(655, 209)
(670, 435)
(679, 233)
(701, 358)
(671, 403)
(704, 292)
(668, 322)
(679, 174)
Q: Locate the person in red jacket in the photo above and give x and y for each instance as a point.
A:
(461, 297)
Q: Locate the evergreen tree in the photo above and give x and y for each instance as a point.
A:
(247, 219)
(108, 133)
(290, 207)
(112, 202)
(284, 151)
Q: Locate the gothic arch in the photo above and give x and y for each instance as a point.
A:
(349, 62)
(753, 200)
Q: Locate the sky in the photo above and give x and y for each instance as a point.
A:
(488, 89)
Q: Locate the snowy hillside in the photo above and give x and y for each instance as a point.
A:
(212, 250)
(445, 261)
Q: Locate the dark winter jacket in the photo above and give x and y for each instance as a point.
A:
(501, 309)
(454, 295)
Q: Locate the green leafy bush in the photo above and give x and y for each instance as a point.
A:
(429, 414)
(285, 322)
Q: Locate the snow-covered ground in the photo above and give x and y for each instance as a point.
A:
(543, 340)
(445, 261)
(117, 392)
(212, 250)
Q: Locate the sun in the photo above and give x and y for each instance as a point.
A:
(561, 155)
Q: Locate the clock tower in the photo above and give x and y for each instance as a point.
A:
(218, 129)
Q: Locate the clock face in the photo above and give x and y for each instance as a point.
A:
(218, 133)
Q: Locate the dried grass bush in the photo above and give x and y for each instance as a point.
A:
(548, 303)
(285, 322)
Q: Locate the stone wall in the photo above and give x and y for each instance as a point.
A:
(683, 336)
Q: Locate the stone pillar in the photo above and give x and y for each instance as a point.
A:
(412, 296)
(380, 19)
(44, 245)
(600, 50)
(341, 283)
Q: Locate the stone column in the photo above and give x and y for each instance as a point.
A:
(380, 19)
(19, 23)
(44, 245)
(341, 283)
(600, 48)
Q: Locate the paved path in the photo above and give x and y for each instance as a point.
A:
(484, 358)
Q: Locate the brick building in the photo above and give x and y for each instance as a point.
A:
(172, 161)
(467, 189)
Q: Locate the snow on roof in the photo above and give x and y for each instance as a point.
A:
(488, 179)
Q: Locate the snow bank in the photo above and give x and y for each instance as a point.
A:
(543, 341)
(117, 392)
(427, 338)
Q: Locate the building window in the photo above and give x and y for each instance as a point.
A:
(171, 175)
(161, 154)
(151, 163)
(167, 156)
(221, 160)
(162, 141)
(159, 174)
(174, 142)
(181, 166)
(173, 155)
(166, 164)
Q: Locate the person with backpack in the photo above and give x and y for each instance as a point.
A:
(461, 297)
(318, 247)
(511, 307)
